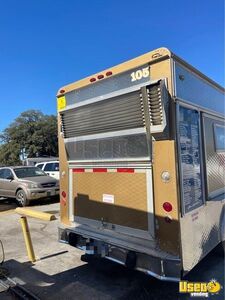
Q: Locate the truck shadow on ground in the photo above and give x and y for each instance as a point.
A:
(103, 279)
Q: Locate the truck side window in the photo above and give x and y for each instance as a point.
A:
(52, 167)
(56, 166)
(219, 136)
(48, 167)
(40, 166)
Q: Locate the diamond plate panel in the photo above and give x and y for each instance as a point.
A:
(201, 229)
(200, 233)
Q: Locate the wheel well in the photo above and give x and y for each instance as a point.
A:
(18, 190)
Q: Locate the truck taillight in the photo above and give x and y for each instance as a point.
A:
(167, 206)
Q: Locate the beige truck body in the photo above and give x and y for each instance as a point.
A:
(138, 144)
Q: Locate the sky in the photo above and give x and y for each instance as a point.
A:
(45, 44)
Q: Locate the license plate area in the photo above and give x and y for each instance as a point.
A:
(50, 193)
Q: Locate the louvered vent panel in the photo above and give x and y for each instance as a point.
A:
(118, 113)
(155, 105)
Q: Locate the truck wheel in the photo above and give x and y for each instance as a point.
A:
(21, 198)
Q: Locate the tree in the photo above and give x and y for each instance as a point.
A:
(32, 131)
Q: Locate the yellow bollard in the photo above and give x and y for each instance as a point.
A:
(27, 238)
(35, 214)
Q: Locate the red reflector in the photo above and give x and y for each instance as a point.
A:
(125, 170)
(92, 79)
(109, 73)
(100, 170)
(64, 194)
(62, 91)
(167, 206)
(78, 170)
(100, 76)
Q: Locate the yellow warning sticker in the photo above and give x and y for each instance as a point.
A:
(61, 102)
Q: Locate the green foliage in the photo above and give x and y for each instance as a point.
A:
(32, 131)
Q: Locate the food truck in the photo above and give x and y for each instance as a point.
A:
(142, 164)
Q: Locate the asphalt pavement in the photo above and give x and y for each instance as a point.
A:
(61, 271)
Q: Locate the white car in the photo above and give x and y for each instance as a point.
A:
(50, 167)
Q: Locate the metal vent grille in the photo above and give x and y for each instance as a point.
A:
(156, 98)
(117, 113)
(155, 105)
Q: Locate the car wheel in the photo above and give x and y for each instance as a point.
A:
(21, 198)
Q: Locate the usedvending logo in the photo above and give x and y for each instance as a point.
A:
(200, 289)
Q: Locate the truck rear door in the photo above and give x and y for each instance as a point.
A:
(108, 142)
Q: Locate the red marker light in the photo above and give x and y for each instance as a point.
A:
(109, 73)
(125, 170)
(64, 194)
(62, 91)
(100, 76)
(92, 79)
(167, 206)
(81, 170)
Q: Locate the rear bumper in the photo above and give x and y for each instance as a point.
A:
(33, 194)
(156, 266)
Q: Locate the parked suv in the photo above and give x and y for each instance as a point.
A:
(50, 167)
(26, 184)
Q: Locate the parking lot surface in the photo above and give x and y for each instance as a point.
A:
(60, 273)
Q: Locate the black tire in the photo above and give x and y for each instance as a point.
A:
(55, 198)
(21, 198)
(220, 249)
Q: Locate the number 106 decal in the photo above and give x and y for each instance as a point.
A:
(139, 74)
